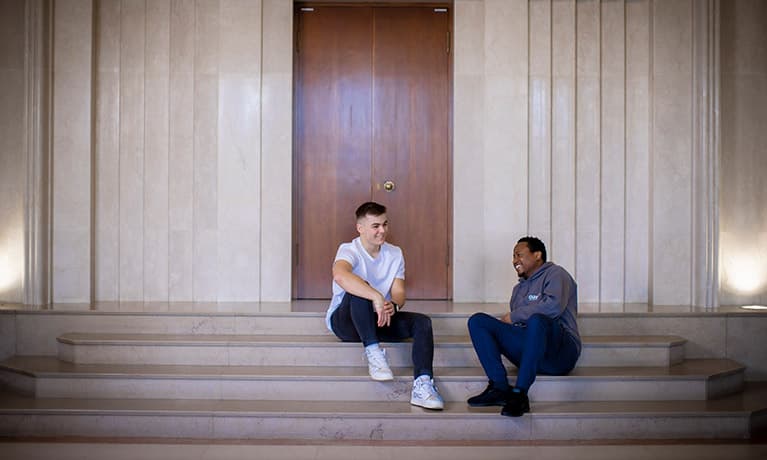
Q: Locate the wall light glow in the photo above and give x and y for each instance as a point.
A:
(7, 275)
(745, 272)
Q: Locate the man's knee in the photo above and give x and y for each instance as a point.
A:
(539, 321)
(356, 301)
(423, 323)
(478, 321)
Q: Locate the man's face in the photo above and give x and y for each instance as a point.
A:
(526, 262)
(372, 229)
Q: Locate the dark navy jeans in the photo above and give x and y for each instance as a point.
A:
(541, 345)
(355, 320)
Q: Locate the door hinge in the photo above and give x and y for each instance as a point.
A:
(448, 42)
(447, 256)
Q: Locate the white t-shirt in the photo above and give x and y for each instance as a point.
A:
(379, 272)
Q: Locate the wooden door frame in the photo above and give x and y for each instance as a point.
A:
(450, 174)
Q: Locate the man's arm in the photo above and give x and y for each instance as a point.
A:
(353, 284)
(552, 303)
(398, 292)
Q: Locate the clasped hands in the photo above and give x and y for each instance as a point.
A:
(385, 310)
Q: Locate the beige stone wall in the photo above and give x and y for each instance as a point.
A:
(584, 122)
(575, 122)
(192, 150)
(744, 152)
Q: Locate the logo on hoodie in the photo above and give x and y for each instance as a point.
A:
(532, 297)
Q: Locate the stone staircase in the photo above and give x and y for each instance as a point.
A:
(280, 376)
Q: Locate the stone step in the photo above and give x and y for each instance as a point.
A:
(709, 334)
(738, 416)
(326, 350)
(48, 377)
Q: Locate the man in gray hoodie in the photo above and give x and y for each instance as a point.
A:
(539, 334)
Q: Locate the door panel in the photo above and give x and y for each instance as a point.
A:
(410, 140)
(333, 137)
(371, 104)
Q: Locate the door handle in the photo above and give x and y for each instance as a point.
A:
(389, 186)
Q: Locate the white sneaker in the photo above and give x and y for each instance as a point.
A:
(377, 365)
(425, 394)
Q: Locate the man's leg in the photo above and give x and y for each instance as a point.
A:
(493, 338)
(355, 320)
(405, 325)
(417, 326)
(547, 348)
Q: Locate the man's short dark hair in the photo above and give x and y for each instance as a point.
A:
(370, 208)
(534, 245)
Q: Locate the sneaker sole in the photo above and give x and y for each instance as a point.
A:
(515, 414)
(496, 403)
(427, 406)
(384, 379)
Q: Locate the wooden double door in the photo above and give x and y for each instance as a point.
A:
(372, 122)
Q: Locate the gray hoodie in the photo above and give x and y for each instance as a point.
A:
(550, 291)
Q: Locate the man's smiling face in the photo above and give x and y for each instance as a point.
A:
(526, 262)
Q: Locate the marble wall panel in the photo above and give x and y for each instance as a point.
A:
(132, 149)
(468, 151)
(506, 141)
(12, 149)
(239, 142)
(205, 198)
(156, 166)
(107, 153)
(743, 217)
(181, 152)
(12, 188)
(276, 151)
(71, 146)
(562, 242)
(588, 156)
(539, 121)
(238, 189)
(612, 147)
(637, 93)
(672, 152)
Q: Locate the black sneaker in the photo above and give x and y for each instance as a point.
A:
(492, 396)
(516, 404)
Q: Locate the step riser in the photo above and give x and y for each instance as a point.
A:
(399, 355)
(428, 427)
(283, 389)
(37, 332)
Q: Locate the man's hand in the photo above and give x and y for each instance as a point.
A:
(384, 309)
(506, 318)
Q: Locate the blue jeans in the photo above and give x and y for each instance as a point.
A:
(355, 320)
(540, 345)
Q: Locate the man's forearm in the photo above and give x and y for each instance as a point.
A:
(355, 285)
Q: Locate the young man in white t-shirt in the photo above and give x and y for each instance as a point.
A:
(368, 295)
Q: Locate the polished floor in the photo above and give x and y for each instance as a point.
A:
(277, 451)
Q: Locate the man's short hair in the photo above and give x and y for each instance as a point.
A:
(534, 245)
(370, 208)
